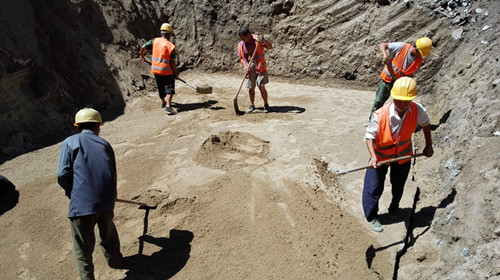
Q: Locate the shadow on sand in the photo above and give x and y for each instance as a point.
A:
(165, 263)
(193, 106)
(9, 196)
(421, 219)
(286, 109)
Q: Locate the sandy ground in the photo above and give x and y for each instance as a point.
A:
(238, 197)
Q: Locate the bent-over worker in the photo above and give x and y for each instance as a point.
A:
(256, 70)
(400, 60)
(388, 136)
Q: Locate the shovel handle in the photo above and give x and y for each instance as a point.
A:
(131, 201)
(191, 86)
(342, 172)
(249, 63)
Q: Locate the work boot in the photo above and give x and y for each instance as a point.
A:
(376, 225)
(171, 110)
(250, 109)
(266, 108)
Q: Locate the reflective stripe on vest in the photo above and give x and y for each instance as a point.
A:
(385, 146)
(160, 60)
(259, 56)
(398, 62)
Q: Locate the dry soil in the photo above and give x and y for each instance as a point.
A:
(238, 197)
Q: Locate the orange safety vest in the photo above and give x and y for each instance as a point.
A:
(160, 60)
(397, 64)
(261, 60)
(388, 148)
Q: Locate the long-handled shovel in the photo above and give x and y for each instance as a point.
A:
(235, 99)
(342, 172)
(142, 205)
(206, 89)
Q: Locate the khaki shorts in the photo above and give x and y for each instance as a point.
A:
(256, 79)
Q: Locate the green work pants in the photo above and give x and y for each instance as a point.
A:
(383, 93)
(83, 237)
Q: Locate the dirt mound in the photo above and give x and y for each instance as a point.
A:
(233, 150)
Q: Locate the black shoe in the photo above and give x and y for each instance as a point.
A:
(266, 108)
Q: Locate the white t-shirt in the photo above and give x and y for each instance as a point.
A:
(396, 122)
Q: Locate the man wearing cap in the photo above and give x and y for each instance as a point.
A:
(388, 136)
(87, 172)
(163, 65)
(400, 60)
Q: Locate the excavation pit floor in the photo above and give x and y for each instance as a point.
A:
(239, 196)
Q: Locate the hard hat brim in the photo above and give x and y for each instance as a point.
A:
(100, 123)
(402, 98)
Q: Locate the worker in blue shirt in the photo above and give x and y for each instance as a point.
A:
(87, 172)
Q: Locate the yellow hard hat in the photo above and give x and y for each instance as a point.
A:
(424, 46)
(87, 115)
(166, 27)
(404, 88)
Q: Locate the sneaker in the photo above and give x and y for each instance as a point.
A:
(250, 109)
(163, 105)
(171, 110)
(376, 225)
(266, 108)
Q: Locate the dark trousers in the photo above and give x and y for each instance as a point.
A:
(383, 93)
(374, 186)
(83, 236)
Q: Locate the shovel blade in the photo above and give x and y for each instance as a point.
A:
(205, 90)
(236, 109)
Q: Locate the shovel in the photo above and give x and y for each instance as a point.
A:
(235, 99)
(142, 205)
(342, 172)
(198, 89)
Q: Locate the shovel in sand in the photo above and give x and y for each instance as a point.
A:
(342, 172)
(142, 205)
(235, 99)
(198, 89)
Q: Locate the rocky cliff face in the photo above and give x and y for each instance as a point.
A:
(58, 57)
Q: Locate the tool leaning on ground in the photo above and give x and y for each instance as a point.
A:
(342, 172)
(235, 99)
(206, 89)
(142, 205)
